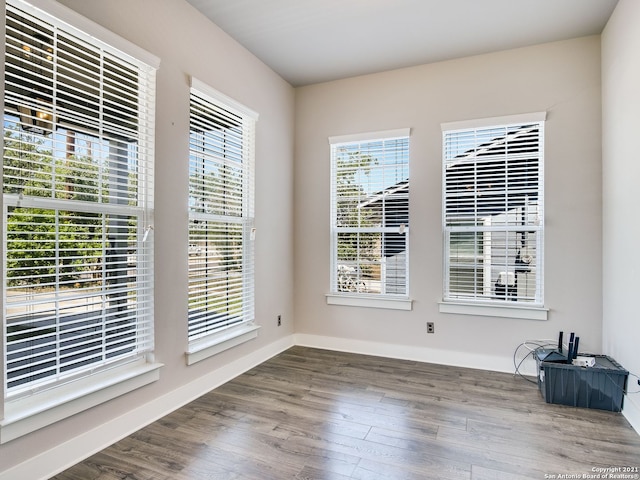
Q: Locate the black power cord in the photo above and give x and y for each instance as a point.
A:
(538, 344)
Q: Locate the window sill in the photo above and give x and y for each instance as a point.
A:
(370, 301)
(217, 343)
(28, 414)
(495, 310)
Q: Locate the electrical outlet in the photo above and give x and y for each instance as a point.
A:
(431, 328)
(279, 320)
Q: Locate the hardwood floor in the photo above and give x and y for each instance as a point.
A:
(316, 414)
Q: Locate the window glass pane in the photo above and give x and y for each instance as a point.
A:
(465, 261)
(71, 291)
(370, 208)
(69, 165)
(216, 280)
(77, 184)
(221, 217)
(493, 213)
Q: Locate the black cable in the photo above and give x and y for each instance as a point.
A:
(517, 366)
(637, 382)
(621, 387)
(531, 353)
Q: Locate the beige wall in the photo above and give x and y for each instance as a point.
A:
(188, 44)
(560, 78)
(621, 187)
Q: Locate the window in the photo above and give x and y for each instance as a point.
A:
(77, 204)
(493, 211)
(370, 214)
(221, 217)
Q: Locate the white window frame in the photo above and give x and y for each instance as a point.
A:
(356, 297)
(25, 410)
(217, 323)
(487, 302)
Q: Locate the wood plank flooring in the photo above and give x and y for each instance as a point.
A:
(317, 414)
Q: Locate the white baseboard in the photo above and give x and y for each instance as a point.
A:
(67, 454)
(404, 352)
(631, 412)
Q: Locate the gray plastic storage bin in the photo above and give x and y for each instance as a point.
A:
(601, 386)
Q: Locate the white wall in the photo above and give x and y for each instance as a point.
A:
(621, 190)
(188, 44)
(560, 78)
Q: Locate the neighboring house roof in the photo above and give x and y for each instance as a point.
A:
(462, 176)
(395, 200)
(521, 171)
(465, 174)
(401, 188)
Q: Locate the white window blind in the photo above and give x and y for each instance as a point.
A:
(77, 203)
(493, 213)
(370, 213)
(221, 213)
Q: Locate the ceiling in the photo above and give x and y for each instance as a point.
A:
(312, 41)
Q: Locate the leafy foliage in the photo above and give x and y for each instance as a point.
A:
(48, 245)
(352, 246)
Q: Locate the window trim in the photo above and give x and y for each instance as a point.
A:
(29, 414)
(87, 30)
(487, 307)
(378, 301)
(493, 121)
(24, 414)
(382, 300)
(228, 337)
(493, 310)
(219, 342)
